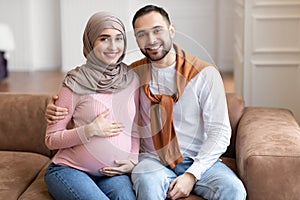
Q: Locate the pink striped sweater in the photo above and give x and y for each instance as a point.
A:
(90, 155)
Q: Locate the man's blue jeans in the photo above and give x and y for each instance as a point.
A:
(69, 183)
(151, 180)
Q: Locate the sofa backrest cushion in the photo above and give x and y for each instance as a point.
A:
(23, 125)
(236, 106)
(22, 122)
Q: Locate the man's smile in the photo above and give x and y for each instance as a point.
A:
(154, 48)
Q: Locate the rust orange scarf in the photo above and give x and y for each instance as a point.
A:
(161, 112)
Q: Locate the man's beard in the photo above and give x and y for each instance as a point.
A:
(155, 58)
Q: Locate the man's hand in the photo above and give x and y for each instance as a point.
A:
(181, 186)
(54, 113)
(125, 166)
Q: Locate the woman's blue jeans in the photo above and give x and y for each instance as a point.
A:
(68, 183)
(151, 180)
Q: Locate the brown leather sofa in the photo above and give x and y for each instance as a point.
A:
(264, 149)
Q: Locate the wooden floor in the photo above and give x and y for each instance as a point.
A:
(42, 82)
(48, 82)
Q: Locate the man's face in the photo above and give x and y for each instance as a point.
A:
(154, 35)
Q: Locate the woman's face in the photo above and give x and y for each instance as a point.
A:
(109, 46)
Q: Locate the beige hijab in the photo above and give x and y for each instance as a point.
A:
(95, 76)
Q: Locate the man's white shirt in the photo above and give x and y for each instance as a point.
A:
(200, 116)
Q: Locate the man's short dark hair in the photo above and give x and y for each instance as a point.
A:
(150, 8)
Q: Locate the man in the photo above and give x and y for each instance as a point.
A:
(185, 123)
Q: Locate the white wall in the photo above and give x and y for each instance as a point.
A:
(73, 21)
(267, 53)
(48, 33)
(44, 34)
(36, 28)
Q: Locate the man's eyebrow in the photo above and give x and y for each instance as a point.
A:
(140, 31)
(152, 28)
(158, 26)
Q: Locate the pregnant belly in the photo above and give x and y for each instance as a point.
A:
(96, 154)
(107, 150)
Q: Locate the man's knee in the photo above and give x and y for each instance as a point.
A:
(150, 184)
(148, 171)
(149, 179)
(225, 188)
(233, 191)
(240, 190)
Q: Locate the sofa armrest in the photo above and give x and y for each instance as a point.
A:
(268, 153)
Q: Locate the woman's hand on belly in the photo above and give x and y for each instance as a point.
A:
(103, 127)
(124, 166)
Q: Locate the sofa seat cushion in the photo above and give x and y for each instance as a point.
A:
(38, 189)
(18, 170)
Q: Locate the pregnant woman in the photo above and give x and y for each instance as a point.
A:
(102, 100)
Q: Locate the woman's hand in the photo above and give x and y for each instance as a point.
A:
(125, 166)
(54, 113)
(103, 127)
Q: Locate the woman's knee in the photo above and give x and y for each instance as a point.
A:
(62, 185)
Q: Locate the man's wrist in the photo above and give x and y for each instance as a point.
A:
(192, 175)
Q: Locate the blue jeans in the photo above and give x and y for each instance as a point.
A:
(69, 183)
(151, 180)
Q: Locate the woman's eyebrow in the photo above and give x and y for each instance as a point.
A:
(104, 35)
(107, 35)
